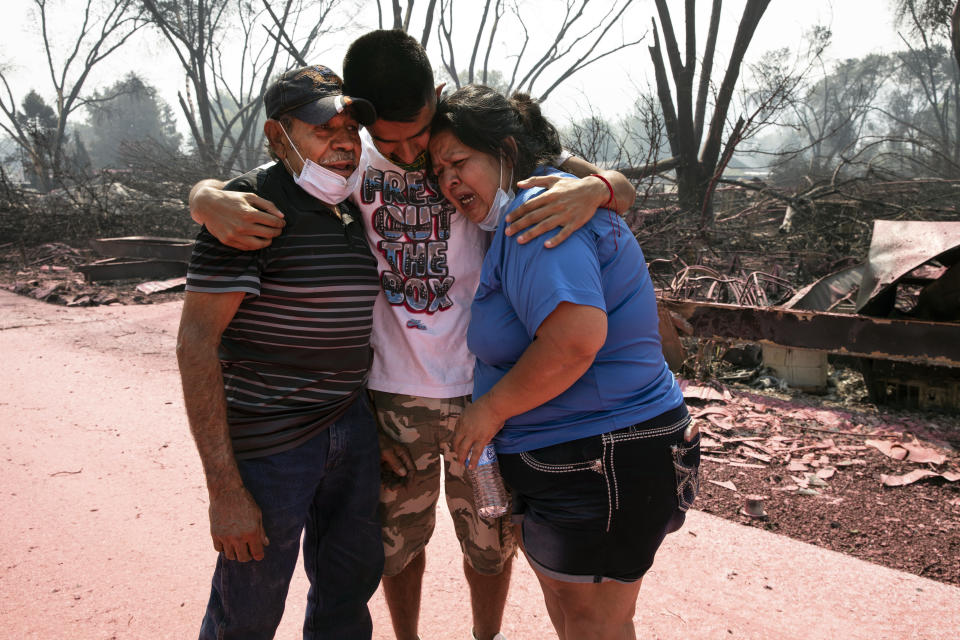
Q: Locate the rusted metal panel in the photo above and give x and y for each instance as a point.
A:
(145, 247)
(120, 269)
(673, 351)
(935, 343)
(828, 292)
(897, 248)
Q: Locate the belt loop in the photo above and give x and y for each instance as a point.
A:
(604, 438)
(613, 478)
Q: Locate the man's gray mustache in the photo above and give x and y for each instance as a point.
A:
(340, 156)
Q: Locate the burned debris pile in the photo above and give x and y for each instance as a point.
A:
(136, 269)
(894, 315)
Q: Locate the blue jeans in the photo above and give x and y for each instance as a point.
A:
(328, 489)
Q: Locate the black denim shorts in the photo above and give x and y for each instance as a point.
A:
(597, 508)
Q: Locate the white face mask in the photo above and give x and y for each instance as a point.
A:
(500, 203)
(320, 182)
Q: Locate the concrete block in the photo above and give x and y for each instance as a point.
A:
(800, 368)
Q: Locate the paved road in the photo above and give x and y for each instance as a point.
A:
(104, 519)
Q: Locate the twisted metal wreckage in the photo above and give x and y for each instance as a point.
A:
(898, 313)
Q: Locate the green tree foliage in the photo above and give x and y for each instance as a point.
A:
(37, 114)
(126, 113)
(38, 123)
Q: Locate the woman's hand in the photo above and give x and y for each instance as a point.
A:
(566, 345)
(475, 429)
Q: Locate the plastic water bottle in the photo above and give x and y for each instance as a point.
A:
(489, 492)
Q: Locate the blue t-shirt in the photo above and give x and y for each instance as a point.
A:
(600, 265)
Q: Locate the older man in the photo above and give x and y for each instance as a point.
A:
(274, 350)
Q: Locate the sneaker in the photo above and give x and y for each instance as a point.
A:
(499, 636)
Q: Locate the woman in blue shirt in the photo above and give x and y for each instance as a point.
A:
(570, 382)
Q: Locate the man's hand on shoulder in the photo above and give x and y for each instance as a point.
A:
(568, 203)
(238, 219)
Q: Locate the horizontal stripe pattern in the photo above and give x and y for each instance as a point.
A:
(297, 352)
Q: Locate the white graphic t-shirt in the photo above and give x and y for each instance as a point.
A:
(429, 260)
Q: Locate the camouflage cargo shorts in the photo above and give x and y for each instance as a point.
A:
(408, 504)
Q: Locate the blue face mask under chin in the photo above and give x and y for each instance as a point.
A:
(500, 203)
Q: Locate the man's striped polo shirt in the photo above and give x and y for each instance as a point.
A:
(297, 352)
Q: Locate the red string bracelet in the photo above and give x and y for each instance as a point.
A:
(606, 204)
(612, 198)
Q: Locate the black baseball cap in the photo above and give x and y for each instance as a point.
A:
(313, 94)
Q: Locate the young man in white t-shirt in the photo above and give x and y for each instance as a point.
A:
(429, 261)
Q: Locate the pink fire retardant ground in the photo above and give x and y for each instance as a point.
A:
(104, 523)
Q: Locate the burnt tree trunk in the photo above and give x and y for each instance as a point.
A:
(699, 160)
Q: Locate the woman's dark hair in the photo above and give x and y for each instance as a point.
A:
(390, 69)
(482, 119)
